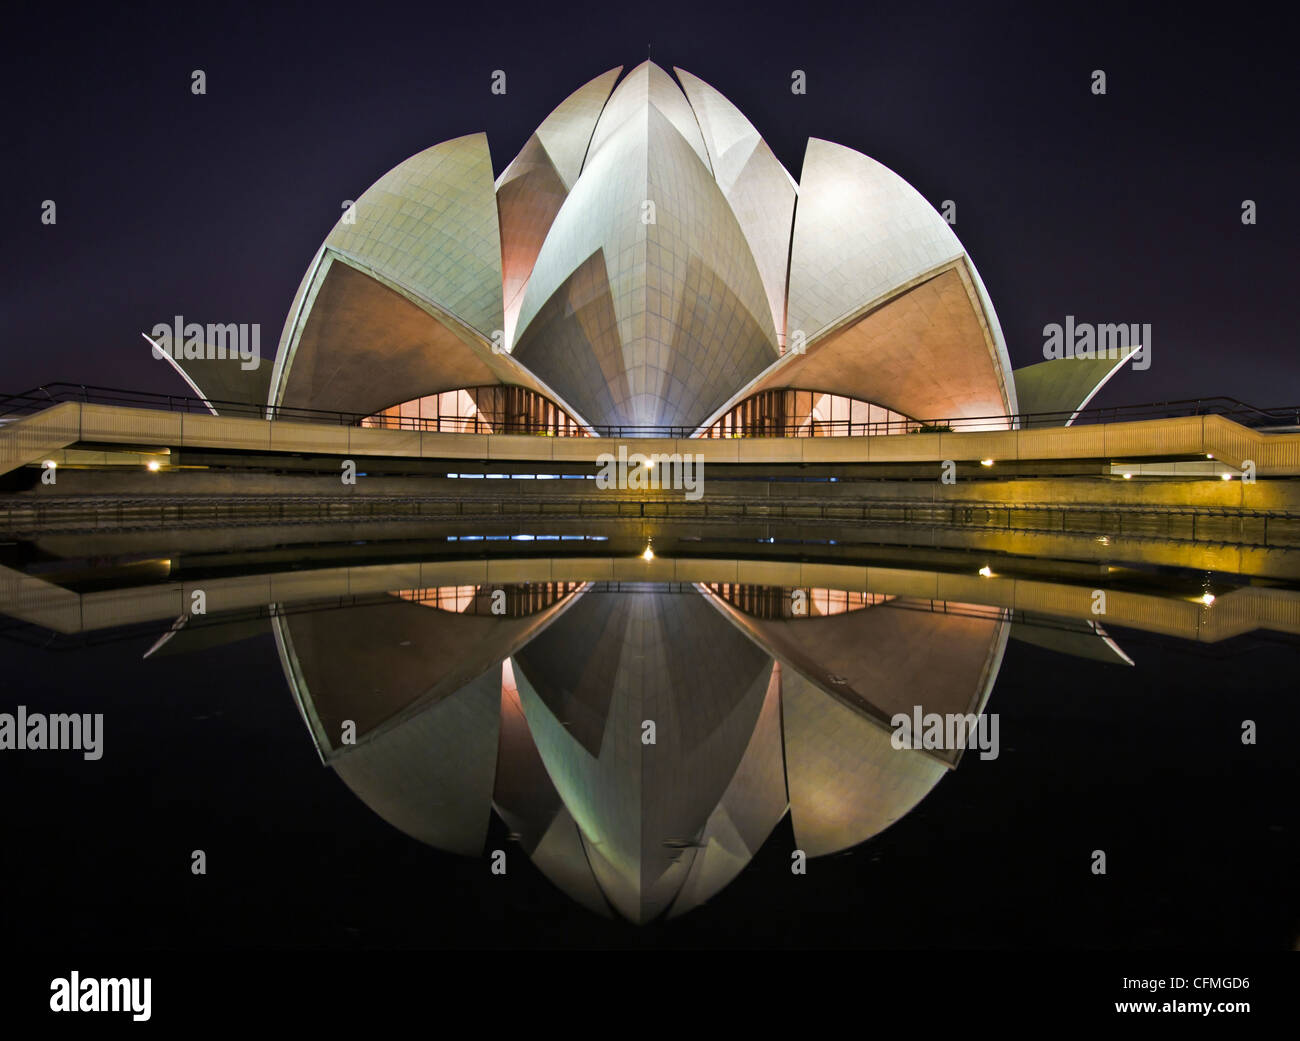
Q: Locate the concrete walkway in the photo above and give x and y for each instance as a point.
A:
(34, 437)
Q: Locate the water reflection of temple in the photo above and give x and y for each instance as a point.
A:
(765, 700)
(443, 691)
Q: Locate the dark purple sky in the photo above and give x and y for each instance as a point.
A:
(1123, 208)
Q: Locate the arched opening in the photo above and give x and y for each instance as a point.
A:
(480, 410)
(809, 413)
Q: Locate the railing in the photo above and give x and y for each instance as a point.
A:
(13, 406)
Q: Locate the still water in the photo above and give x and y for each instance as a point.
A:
(517, 741)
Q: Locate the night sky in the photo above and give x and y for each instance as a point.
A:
(1123, 208)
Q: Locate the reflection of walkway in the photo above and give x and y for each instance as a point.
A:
(1237, 611)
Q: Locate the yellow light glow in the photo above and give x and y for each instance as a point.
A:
(1227, 477)
(986, 462)
(50, 464)
(986, 571)
(649, 554)
(1207, 599)
(1209, 455)
(1128, 477)
(154, 465)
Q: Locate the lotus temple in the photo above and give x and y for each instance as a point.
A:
(646, 262)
